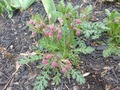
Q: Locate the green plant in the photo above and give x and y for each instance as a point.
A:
(112, 49)
(93, 30)
(60, 45)
(113, 22)
(55, 48)
(11, 5)
(2, 5)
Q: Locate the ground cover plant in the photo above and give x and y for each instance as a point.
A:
(113, 22)
(60, 45)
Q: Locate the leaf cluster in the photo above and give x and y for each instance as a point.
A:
(42, 81)
(113, 22)
(82, 47)
(77, 76)
(67, 47)
(30, 59)
(11, 5)
(93, 30)
(112, 49)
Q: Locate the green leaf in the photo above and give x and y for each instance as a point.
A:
(82, 48)
(112, 49)
(88, 9)
(2, 6)
(30, 59)
(107, 12)
(41, 81)
(77, 75)
(25, 4)
(50, 9)
(93, 30)
(15, 4)
(57, 78)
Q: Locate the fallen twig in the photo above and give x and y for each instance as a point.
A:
(8, 83)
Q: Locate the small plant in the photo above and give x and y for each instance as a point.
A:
(60, 45)
(113, 22)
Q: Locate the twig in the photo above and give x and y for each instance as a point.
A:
(8, 83)
(67, 87)
(115, 75)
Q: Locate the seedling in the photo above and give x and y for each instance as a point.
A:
(113, 22)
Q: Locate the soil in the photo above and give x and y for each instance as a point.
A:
(16, 38)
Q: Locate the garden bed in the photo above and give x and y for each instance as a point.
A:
(15, 38)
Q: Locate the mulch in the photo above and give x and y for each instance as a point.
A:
(15, 38)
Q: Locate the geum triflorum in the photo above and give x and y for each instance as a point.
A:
(58, 42)
(113, 22)
(59, 46)
(56, 48)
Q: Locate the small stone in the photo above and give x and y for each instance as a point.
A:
(52, 83)
(15, 33)
(11, 46)
(19, 26)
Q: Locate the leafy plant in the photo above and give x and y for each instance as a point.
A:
(82, 48)
(112, 49)
(114, 25)
(59, 46)
(113, 22)
(42, 81)
(11, 5)
(93, 30)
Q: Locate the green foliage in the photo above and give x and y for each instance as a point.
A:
(93, 30)
(25, 3)
(113, 22)
(50, 9)
(30, 59)
(66, 9)
(42, 81)
(11, 5)
(77, 76)
(82, 48)
(2, 5)
(85, 13)
(48, 44)
(112, 49)
(57, 77)
(60, 42)
(114, 25)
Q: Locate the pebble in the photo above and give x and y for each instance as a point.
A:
(75, 88)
